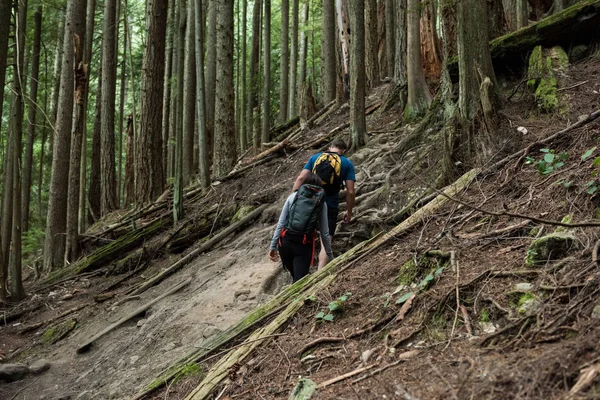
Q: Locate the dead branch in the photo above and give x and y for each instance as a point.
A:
(344, 376)
(401, 358)
(595, 252)
(86, 346)
(33, 327)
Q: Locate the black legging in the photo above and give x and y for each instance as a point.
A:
(297, 256)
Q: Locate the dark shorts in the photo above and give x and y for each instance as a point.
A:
(332, 215)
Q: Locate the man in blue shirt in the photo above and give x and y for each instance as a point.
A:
(347, 176)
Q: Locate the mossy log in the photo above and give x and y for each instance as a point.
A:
(111, 251)
(575, 25)
(282, 131)
(292, 298)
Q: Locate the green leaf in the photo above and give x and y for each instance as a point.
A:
(597, 161)
(333, 306)
(545, 150)
(404, 298)
(559, 164)
(588, 153)
(563, 156)
(311, 298)
(343, 298)
(329, 317)
(320, 315)
(549, 158)
(529, 160)
(426, 280)
(592, 189)
(548, 169)
(590, 183)
(567, 184)
(438, 271)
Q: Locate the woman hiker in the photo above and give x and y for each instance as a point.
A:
(296, 232)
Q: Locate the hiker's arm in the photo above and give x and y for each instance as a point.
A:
(280, 224)
(300, 179)
(325, 236)
(350, 195)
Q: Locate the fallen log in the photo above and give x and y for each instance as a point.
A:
(35, 326)
(280, 146)
(111, 251)
(282, 131)
(204, 247)
(574, 25)
(88, 344)
(293, 297)
(237, 172)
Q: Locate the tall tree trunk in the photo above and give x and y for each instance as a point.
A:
(225, 151)
(372, 63)
(390, 36)
(328, 51)
(517, 13)
(56, 224)
(5, 13)
(245, 137)
(189, 96)
(167, 115)
(149, 177)
(15, 127)
(284, 61)
(431, 56)
(400, 43)
(253, 114)
(72, 250)
(57, 75)
(203, 142)
(31, 117)
(108, 183)
(304, 48)
(266, 119)
(211, 70)
(343, 25)
(293, 90)
(129, 186)
(497, 24)
(358, 128)
(93, 197)
(181, 119)
(419, 97)
(87, 59)
(122, 101)
(175, 103)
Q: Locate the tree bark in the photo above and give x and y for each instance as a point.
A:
(149, 177)
(167, 115)
(254, 77)
(431, 56)
(189, 96)
(72, 249)
(175, 102)
(31, 117)
(245, 138)
(129, 186)
(93, 197)
(419, 97)
(358, 128)
(284, 64)
(293, 90)
(203, 140)
(371, 61)
(266, 118)
(225, 151)
(5, 13)
(211, 71)
(181, 131)
(122, 101)
(343, 25)
(328, 51)
(54, 247)
(108, 183)
(304, 47)
(390, 36)
(400, 69)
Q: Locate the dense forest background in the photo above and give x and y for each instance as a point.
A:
(108, 104)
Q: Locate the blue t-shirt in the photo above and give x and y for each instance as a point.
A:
(346, 173)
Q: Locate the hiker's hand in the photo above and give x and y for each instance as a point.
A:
(348, 217)
(273, 255)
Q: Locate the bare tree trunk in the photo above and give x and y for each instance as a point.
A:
(108, 183)
(328, 51)
(390, 36)
(304, 47)
(497, 25)
(419, 97)
(284, 61)
(93, 197)
(431, 56)
(203, 150)
(167, 115)
(57, 75)
(122, 100)
(72, 249)
(293, 89)
(372, 63)
(211, 71)
(175, 103)
(254, 78)
(266, 119)
(129, 186)
(343, 25)
(225, 151)
(32, 113)
(358, 128)
(400, 42)
(87, 57)
(5, 13)
(54, 248)
(246, 139)
(189, 96)
(181, 107)
(149, 177)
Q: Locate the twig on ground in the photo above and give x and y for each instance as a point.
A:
(345, 376)
(401, 358)
(572, 86)
(595, 252)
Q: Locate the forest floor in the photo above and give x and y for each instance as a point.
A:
(515, 331)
